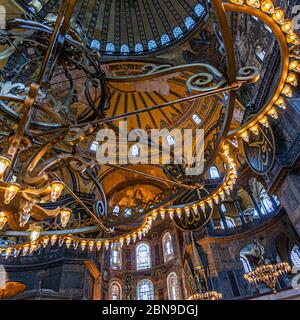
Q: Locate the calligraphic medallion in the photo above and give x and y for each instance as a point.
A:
(197, 218)
(260, 150)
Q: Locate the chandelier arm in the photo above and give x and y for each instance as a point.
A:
(231, 69)
(82, 204)
(160, 106)
(265, 18)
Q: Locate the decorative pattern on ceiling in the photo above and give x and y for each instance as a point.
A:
(130, 26)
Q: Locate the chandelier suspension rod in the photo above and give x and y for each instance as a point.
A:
(234, 86)
(77, 199)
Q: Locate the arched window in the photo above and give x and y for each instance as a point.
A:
(199, 9)
(196, 119)
(145, 290)
(115, 292)
(167, 247)
(95, 44)
(124, 49)
(267, 204)
(229, 221)
(189, 22)
(246, 264)
(164, 39)
(110, 47)
(214, 172)
(295, 256)
(152, 45)
(172, 282)
(223, 208)
(143, 260)
(177, 32)
(138, 48)
(115, 257)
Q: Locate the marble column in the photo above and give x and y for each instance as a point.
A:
(240, 211)
(223, 218)
(256, 206)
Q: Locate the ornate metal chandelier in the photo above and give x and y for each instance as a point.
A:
(268, 273)
(62, 45)
(210, 295)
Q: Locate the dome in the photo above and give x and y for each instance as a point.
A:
(133, 26)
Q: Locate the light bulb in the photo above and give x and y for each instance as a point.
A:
(187, 211)
(68, 242)
(162, 213)
(202, 206)
(35, 232)
(139, 233)
(267, 6)
(287, 91)
(294, 65)
(278, 16)
(292, 79)
(53, 239)
(255, 129)
(253, 3)
(178, 212)
(45, 242)
(292, 38)
(222, 195)
(8, 252)
(56, 189)
(134, 236)
(24, 218)
(91, 245)
(171, 213)
(4, 164)
(3, 220)
(287, 26)
(121, 241)
(216, 199)
(82, 245)
(245, 136)
(27, 207)
(280, 103)
(10, 192)
(106, 244)
(210, 203)
(128, 238)
(273, 113)
(98, 245)
(264, 122)
(75, 244)
(65, 214)
(154, 215)
(237, 1)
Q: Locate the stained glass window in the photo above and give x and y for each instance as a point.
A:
(177, 32)
(145, 290)
(138, 48)
(199, 9)
(189, 22)
(143, 256)
(165, 39)
(173, 290)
